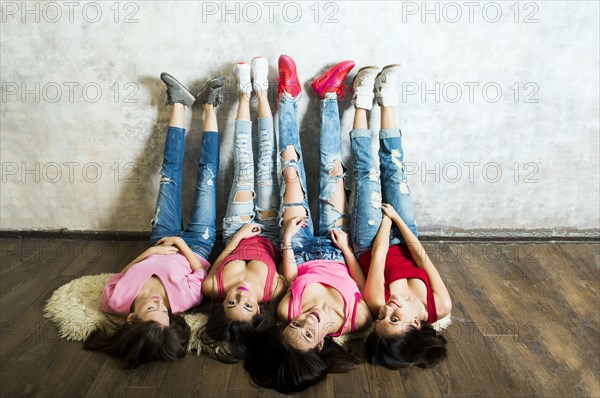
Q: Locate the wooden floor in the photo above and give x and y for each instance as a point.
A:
(526, 323)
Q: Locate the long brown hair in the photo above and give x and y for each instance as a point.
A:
(140, 342)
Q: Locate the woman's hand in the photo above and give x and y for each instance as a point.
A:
(389, 211)
(340, 239)
(294, 226)
(248, 230)
(169, 241)
(164, 250)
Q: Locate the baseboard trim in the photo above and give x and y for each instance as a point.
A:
(542, 236)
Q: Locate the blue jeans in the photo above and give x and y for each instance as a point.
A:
(264, 210)
(368, 191)
(200, 233)
(305, 244)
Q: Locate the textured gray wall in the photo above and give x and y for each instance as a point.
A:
(500, 103)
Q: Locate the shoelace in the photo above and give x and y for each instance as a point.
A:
(281, 89)
(340, 91)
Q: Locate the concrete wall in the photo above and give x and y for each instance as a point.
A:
(499, 109)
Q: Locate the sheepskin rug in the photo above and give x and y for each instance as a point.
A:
(75, 309)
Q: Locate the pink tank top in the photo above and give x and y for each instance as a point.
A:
(256, 248)
(329, 273)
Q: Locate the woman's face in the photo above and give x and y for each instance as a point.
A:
(151, 308)
(397, 315)
(306, 331)
(240, 303)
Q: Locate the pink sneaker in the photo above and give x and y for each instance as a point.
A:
(332, 80)
(288, 77)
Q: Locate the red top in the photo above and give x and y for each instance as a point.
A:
(256, 248)
(399, 264)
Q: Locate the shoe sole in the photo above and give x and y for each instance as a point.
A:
(390, 66)
(221, 79)
(386, 67)
(363, 68)
(191, 96)
(252, 69)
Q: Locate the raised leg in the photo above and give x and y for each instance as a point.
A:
(267, 187)
(200, 233)
(293, 197)
(395, 187)
(332, 195)
(240, 207)
(167, 216)
(366, 191)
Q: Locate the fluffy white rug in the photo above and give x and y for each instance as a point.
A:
(75, 309)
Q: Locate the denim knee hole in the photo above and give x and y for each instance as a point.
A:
(374, 175)
(208, 176)
(266, 215)
(243, 197)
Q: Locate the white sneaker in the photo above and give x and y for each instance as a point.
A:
(260, 74)
(363, 87)
(386, 91)
(242, 77)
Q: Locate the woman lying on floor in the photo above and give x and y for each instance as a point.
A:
(403, 288)
(324, 299)
(166, 279)
(245, 275)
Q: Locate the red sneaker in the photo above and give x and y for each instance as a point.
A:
(332, 80)
(288, 77)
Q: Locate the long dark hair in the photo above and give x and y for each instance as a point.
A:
(417, 347)
(140, 342)
(228, 338)
(273, 363)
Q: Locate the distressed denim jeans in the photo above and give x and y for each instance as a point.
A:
(374, 184)
(262, 207)
(200, 233)
(306, 245)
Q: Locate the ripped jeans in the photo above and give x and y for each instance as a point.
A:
(263, 210)
(306, 245)
(200, 232)
(374, 184)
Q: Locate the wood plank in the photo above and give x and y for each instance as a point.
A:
(525, 323)
(419, 382)
(584, 259)
(147, 376)
(31, 351)
(30, 275)
(355, 382)
(384, 382)
(80, 375)
(111, 379)
(206, 376)
(14, 252)
(537, 342)
(474, 313)
(35, 390)
(240, 383)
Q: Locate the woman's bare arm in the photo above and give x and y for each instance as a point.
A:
(443, 301)
(375, 284)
